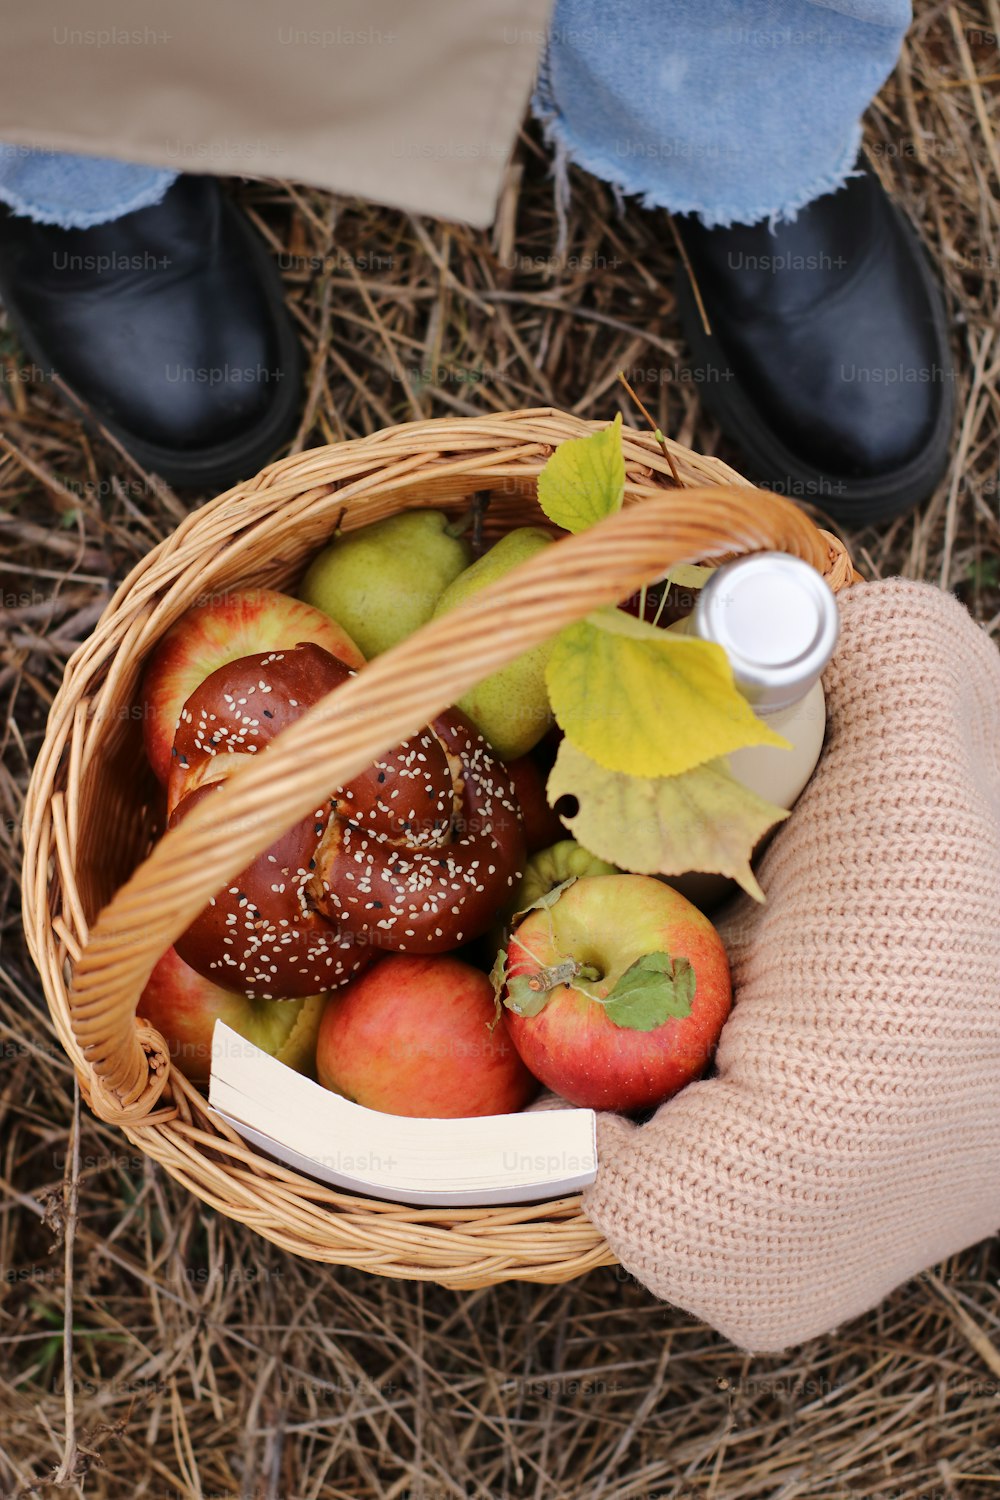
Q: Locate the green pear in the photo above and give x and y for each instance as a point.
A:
(381, 582)
(511, 708)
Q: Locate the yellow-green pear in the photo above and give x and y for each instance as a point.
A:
(381, 582)
(511, 707)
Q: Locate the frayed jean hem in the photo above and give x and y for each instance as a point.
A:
(736, 111)
(714, 215)
(77, 192)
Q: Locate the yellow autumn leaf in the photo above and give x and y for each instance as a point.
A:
(703, 820)
(647, 701)
(584, 480)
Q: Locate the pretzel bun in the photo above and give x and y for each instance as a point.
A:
(260, 934)
(417, 853)
(423, 887)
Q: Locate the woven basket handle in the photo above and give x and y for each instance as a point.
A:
(390, 699)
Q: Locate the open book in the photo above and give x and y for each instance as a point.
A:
(449, 1163)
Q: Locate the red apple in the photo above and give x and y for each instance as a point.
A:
(541, 826)
(595, 931)
(411, 1036)
(223, 628)
(184, 1008)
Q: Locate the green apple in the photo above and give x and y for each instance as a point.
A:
(386, 578)
(511, 707)
(550, 867)
(546, 868)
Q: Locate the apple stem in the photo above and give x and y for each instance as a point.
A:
(564, 972)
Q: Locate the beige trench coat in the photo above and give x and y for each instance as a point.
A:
(413, 103)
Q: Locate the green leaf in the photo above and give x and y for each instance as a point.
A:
(546, 900)
(498, 973)
(584, 480)
(650, 991)
(702, 820)
(498, 978)
(527, 993)
(647, 701)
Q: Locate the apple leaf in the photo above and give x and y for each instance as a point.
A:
(584, 480)
(498, 978)
(647, 701)
(650, 991)
(528, 993)
(701, 820)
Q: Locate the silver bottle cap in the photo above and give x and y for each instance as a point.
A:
(776, 619)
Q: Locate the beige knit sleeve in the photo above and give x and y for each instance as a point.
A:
(850, 1136)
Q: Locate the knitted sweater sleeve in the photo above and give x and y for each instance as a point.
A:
(850, 1133)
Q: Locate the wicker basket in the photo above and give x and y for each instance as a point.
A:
(102, 901)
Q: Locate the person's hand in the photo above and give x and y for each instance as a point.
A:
(850, 1133)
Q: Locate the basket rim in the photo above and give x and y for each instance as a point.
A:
(313, 484)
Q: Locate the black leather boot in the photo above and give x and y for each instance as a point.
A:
(169, 324)
(828, 360)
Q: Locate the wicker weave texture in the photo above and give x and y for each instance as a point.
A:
(104, 896)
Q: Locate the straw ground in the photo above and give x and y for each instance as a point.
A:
(150, 1348)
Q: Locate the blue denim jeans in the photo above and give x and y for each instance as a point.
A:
(736, 110)
(76, 192)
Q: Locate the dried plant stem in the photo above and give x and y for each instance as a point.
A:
(71, 1199)
(664, 446)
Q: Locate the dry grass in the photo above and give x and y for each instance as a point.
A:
(203, 1362)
